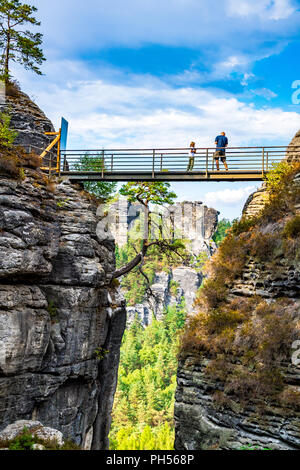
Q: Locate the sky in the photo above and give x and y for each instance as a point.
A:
(160, 73)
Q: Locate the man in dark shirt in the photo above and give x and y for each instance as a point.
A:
(221, 142)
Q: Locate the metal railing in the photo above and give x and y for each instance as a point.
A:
(113, 163)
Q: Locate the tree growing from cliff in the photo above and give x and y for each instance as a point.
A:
(19, 44)
(7, 135)
(102, 189)
(222, 230)
(148, 194)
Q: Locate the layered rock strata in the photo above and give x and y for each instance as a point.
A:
(28, 120)
(61, 322)
(195, 223)
(201, 422)
(171, 288)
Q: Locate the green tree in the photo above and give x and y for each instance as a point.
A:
(7, 135)
(101, 189)
(144, 401)
(222, 230)
(17, 43)
(146, 194)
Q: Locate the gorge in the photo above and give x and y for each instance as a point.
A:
(62, 317)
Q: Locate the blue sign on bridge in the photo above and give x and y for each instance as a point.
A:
(64, 134)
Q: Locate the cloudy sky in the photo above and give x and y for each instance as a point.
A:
(164, 72)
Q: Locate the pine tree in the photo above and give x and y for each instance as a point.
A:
(147, 194)
(17, 43)
(102, 189)
(144, 402)
(7, 135)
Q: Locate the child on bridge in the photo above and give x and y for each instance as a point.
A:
(192, 157)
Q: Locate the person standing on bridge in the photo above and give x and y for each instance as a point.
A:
(221, 142)
(192, 157)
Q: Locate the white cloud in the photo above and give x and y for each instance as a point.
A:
(264, 92)
(229, 34)
(228, 196)
(264, 9)
(228, 66)
(246, 78)
(282, 9)
(144, 111)
(95, 24)
(233, 62)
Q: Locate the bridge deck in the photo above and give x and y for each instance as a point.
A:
(244, 163)
(164, 176)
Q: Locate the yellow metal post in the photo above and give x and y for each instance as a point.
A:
(58, 165)
(50, 146)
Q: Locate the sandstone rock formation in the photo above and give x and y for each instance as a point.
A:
(255, 202)
(35, 428)
(186, 282)
(204, 423)
(200, 426)
(293, 153)
(196, 223)
(61, 322)
(29, 121)
(189, 220)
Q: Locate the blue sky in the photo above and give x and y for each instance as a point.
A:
(151, 73)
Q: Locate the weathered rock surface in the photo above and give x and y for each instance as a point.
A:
(29, 121)
(200, 424)
(196, 223)
(35, 428)
(255, 202)
(293, 150)
(56, 309)
(171, 288)
(188, 220)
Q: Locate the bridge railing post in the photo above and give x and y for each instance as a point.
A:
(112, 163)
(153, 164)
(161, 162)
(206, 164)
(62, 163)
(103, 163)
(263, 162)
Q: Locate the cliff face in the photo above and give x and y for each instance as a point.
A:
(61, 323)
(187, 281)
(28, 120)
(257, 200)
(197, 224)
(239, 385)
(293, 149)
